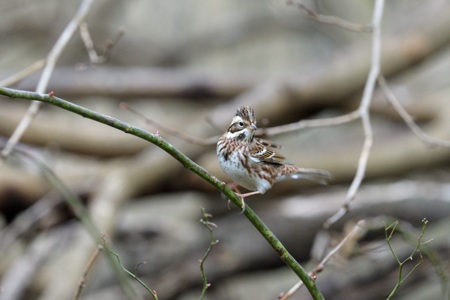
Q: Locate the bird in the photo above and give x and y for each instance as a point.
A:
(253, 163)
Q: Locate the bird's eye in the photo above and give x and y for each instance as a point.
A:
(241, 124)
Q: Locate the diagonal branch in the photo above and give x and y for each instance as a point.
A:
(409, 121)
(331, 19)
(88, 268)
(285, 256)
(15, 78)
(355, 234)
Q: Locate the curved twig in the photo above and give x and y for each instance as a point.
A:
(409, 121)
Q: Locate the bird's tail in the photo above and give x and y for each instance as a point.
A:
(294, 172)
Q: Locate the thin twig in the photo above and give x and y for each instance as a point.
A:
(15, 78)
(409, 121)
(354, 234)
(173, 132)
(131, 274)
(111, 43)
(52, 57)
(89, 44)
(364, 114)
(331, 19)
(94, 57)
(88, 268)
(389, 231)
(212, 243)
(309, 123)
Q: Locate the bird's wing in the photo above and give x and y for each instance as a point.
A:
(269, 144)
(261, 153)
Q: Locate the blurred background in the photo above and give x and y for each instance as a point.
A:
(189, 65)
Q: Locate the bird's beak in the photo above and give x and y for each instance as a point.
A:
(253, 126)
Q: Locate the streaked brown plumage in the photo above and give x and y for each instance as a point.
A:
(253, 163)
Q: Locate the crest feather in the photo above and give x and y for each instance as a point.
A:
(246, 113)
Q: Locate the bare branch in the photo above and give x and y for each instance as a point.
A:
(409, 121)
(88, 268)
(89, 44)
(365, 114)
(111, 43)
(15, 78)
(170, 131)
(52, 57)
(354, 234)
(309, 123)
(94, 57)
(331, 19)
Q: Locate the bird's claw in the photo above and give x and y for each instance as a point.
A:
(243, 203)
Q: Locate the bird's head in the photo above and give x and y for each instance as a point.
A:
(243, 125)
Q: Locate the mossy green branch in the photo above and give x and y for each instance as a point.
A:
(186, 162)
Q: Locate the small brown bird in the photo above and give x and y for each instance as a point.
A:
(252, 163)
